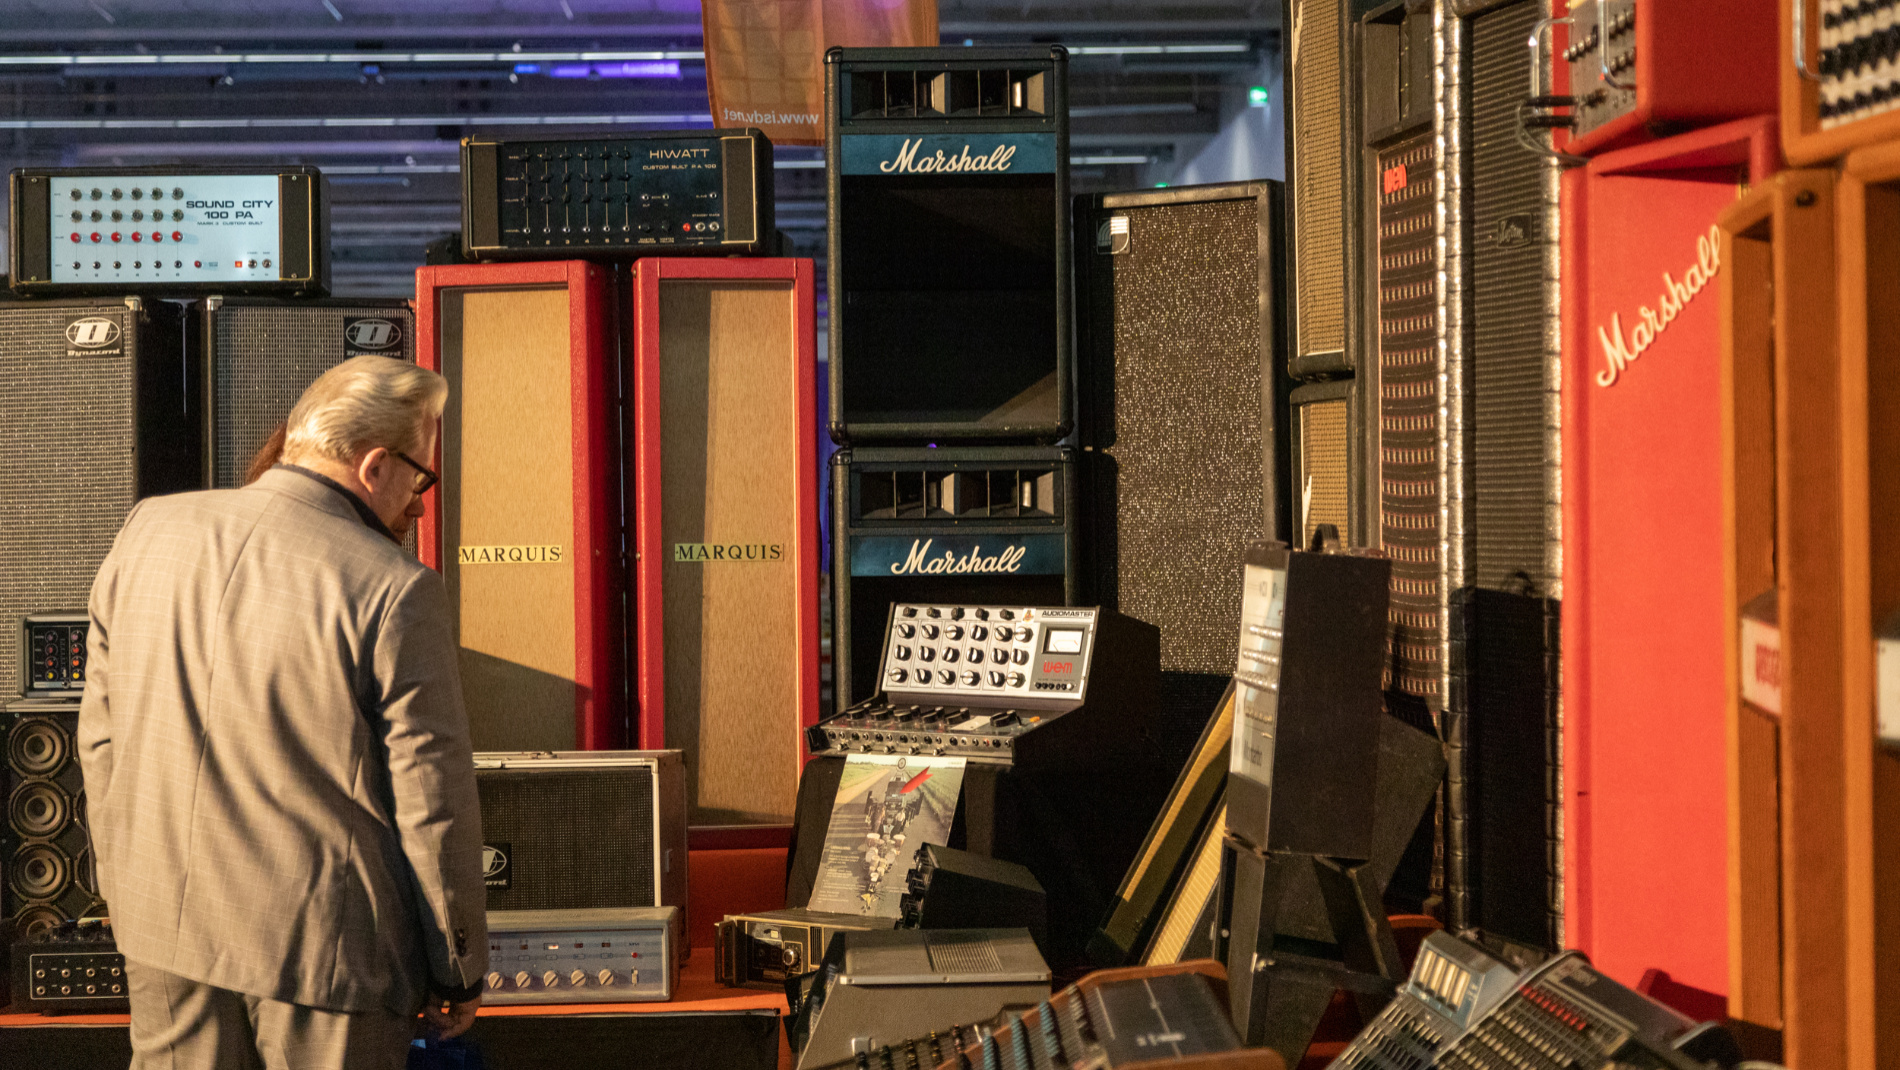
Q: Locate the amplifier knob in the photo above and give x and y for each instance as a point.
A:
(550, 979)
(1001, 655)
(1004, 633)
(950, 655)
(928, 653)
(1006, 614)
(577, 978)
(946, 676)
(930, 630)
(972, 678)
(976, 655)
(901, 652)
(978, 632)
(905, 631)
(982, 614)
(957, 613)
(522, 979)
(935, 612)
(898, 675)
(1021, 657)
(910, 611)
(996, 679)
(605, 977)
(953, 632)
(495, 980)
(1016, 679)
(177, 194)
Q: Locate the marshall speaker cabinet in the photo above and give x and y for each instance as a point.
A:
(726, 529)
(948, 185)
(98, 415)
(258, 355)
(525, 524)
(1182, 418)
(976, 525)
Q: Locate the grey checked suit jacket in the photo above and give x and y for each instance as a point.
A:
(277, 762)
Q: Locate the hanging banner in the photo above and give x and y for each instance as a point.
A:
(765, 58)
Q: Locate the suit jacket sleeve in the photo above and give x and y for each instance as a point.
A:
(95, 706)
(432, 779)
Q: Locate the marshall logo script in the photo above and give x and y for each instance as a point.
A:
(1618, 352)
(920, 563)
(906, 161)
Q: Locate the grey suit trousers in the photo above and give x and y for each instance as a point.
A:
(181, 1024)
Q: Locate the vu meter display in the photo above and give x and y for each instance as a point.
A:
(133, 229)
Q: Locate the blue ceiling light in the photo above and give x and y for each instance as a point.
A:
(527, 68)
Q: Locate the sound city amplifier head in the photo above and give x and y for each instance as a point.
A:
(110, 230)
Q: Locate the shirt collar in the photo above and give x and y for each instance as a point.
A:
(374, 522)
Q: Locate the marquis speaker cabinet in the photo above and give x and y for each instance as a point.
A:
(726, 530)
(525, 523)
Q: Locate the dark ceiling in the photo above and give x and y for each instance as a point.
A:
(378, 93)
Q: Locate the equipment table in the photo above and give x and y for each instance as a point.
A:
(704, 1025)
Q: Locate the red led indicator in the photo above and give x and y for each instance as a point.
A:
(197, 263)
(686, 226)
(237, 263)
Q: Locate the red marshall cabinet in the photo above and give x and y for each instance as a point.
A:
(726, 527)
(525, 524)
(1643, 69)
(1644, 629)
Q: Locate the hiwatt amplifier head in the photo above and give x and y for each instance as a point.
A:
(680, 193)
(114, 230)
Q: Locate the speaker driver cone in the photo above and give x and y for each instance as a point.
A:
(38, 746)
(32, 921)
(39, 871)
(39, 809)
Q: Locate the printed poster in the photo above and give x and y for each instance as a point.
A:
(887, 807)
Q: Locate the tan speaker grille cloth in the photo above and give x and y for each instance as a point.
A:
(507, 463)
(1190, 898)
(1324, 445)
(1319, 174)
(729, 420)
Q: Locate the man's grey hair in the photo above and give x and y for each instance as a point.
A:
(363, 403)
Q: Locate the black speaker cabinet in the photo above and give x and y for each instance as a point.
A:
(948, 180)
(977, 525)
(570, 830)
(258, 354)
(1182, 419)
(47, 848)
(97, 414)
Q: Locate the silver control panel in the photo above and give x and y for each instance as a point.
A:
(622, 955)
(144, 229)
(993, 655)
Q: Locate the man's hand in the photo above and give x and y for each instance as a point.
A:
(442, 1020)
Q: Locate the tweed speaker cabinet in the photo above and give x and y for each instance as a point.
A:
(1183, 422)
(584, 830)
(726, 527)
(98, 414)
(49, 861)
(1326, 440)
(258, 354)
(969, 525)
(1320, 150)
(525, 526)
(948, 179)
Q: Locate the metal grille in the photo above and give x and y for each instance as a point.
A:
(1183, 488)
(1409, 417)
(1319, 177)
(955, 953)
(68, 473)
(1319, 172)
(576, 837)
(1513, 338)
(1324, 447)
(264, 356)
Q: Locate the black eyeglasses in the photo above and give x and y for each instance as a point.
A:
(425, 478)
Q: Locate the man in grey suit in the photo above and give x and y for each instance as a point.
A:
(277, 762)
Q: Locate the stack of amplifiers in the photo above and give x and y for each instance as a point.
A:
(584, 830)
(725, 503)
(1637, 70)
(1052, 708)
(114, 230)
(674, 193)
(259, 354)
(950, 526)
(1182, 421)
(98, 415)
(525, 525)
(948, 180)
